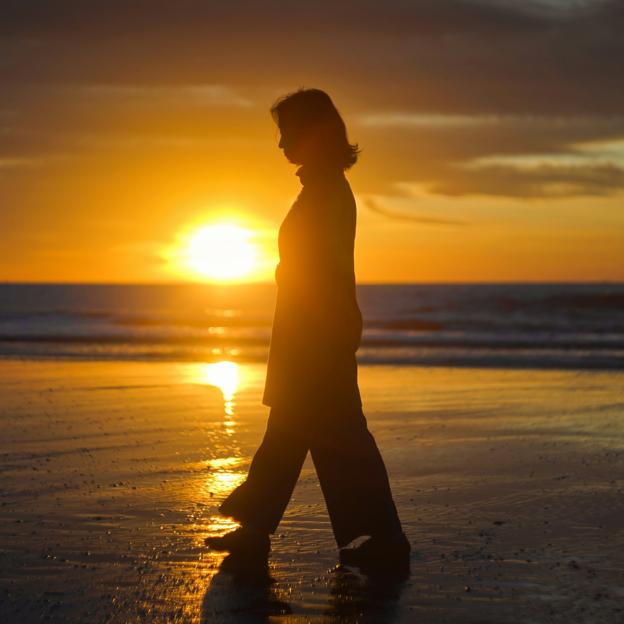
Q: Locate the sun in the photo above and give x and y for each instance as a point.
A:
(220, 252)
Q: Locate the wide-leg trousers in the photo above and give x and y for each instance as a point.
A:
(350, 469)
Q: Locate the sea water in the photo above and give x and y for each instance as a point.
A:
(574, 326)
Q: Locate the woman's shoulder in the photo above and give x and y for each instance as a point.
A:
(330, 190)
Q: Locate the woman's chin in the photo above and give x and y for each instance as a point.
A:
(291, 158)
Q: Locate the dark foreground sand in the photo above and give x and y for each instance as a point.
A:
(510, 485)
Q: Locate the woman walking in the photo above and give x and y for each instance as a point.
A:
(311, 383)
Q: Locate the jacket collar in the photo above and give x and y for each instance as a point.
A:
(309, 174)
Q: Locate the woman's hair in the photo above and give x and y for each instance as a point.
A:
(312, 113)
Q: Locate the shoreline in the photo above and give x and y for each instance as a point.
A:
(534, 363)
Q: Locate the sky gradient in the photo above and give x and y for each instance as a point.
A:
(492, 133)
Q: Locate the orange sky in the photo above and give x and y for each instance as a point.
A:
(474, 166)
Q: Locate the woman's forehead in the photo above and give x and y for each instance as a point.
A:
(288, 123)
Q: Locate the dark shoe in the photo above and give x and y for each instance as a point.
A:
(243, 541)
(246, 569)
(379, 554)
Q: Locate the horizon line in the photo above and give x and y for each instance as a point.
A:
(271, 283)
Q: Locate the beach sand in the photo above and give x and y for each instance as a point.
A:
(510, 485)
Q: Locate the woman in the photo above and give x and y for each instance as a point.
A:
(311, 383)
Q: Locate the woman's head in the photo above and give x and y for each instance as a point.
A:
(312, 130)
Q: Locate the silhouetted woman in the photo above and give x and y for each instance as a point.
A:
(311, 383)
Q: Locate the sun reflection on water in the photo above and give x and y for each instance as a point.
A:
(224, 472)
(224, 375)
(222, 479)
(223, 476)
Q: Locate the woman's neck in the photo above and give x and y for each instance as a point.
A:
(318, 171)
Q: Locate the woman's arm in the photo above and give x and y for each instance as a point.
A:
(328, 290)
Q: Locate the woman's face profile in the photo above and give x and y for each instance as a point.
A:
(292, 140)
(290, 145)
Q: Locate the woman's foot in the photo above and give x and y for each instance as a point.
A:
(242, 541)
(388, 554)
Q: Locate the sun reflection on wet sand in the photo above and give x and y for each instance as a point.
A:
(224, 473)
(223, 476)
(226, 376)
(222, 479)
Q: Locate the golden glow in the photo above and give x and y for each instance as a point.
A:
(223, 462)
(153, 190)
(220, 252)
(225, 376)
(218, 525)
(224, 481)
(224, 475)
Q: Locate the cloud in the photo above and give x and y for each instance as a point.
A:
(189, 17)
(503, 155)
(193, 95)
(539, 181)
(435, 92)
(457, 56)
(376, 206)
(22, 162)
(424, 120)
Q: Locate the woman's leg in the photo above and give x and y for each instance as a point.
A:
(260, 501)
(353, 478)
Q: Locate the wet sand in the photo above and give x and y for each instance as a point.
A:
(510, 485)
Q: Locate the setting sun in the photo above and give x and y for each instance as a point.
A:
(221, 251)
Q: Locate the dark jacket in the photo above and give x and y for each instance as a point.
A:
(317, 325)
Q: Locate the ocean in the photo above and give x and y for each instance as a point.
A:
(567, 326)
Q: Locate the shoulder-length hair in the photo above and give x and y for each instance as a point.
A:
(313, 114)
